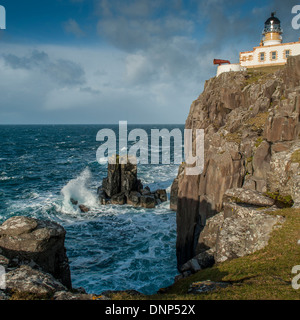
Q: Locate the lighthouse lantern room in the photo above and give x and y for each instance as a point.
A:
(272, 31)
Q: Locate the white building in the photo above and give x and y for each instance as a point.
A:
(228, 67)
(271, 52)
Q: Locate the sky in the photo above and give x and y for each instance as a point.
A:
(105, 61)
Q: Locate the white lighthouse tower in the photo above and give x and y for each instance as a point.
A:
(272, 31)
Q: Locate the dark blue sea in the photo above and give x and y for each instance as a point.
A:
(110, 247)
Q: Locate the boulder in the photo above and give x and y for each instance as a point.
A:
(246, 232)
(27, 280)
(148, 202)
(206, 259)
(208, 236)
(74, 202)
(26, 239)
(161, 195)
(250, 197)
(145, 192)
(203, 260)
(134, 198)
(118, 199)
(83, 208)
(18, 225)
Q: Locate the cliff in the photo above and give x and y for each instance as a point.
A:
(252, 156)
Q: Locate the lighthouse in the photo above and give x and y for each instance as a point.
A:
(272, 31)
(272, 51)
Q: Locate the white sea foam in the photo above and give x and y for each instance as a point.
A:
(5, 178)
(78, 190)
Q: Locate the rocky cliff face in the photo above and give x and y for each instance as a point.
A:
(251, 123)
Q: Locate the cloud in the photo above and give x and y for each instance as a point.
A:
(138, 24)
(148, 63)
(90, 90)
(135, 34)
(121, 86)
(71, 26)
(128, 9)
(62, 71)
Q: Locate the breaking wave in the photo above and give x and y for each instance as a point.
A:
(78, 189)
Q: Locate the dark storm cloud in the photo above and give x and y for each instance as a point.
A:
(136, 25)
(62, 71)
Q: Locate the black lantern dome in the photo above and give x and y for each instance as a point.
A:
(272, 24)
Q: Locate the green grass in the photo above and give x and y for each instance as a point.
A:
(281, 201)
(295, 158)
(262, 74)
(233, 137)
(257, 123)
(258, 142)
(264, 275)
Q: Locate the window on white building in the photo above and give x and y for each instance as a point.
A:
(273, 55)
(262, 56)
(287, 53)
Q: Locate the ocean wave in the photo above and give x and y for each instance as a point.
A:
(110, 247)
(78, 190)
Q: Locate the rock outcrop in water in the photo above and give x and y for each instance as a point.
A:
(34, 257)
(252, 160)
(122, 186)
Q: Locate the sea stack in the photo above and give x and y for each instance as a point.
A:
(122, 186)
